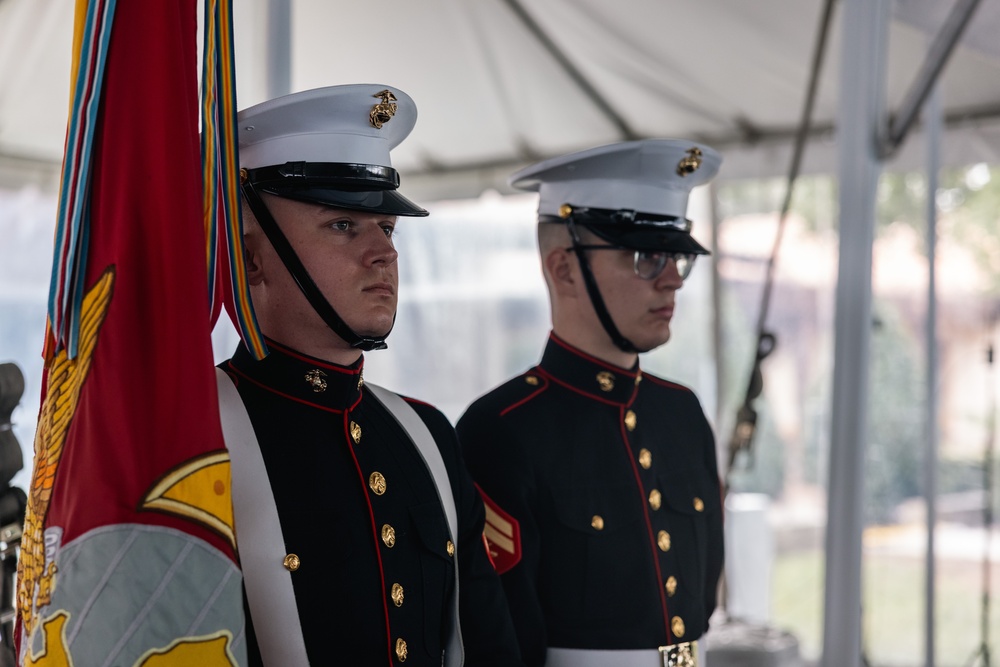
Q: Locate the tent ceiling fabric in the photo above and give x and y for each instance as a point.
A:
(492, 95)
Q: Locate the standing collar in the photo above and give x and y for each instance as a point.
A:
(300, 377)
(570, 366)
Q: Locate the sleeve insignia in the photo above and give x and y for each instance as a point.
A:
(503, 536)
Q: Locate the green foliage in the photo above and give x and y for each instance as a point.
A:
(896, 417)
(968, 203)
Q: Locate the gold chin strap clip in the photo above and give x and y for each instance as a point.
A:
(684, 654)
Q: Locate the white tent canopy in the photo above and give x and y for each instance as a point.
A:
(502, 82)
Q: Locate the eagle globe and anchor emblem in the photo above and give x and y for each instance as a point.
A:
(382, 112)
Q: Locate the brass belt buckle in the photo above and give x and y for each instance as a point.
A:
(684, 654)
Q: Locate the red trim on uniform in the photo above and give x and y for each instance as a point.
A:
(375, 535)
(667, 383)
(415, 401)
(545, 385)
(311, 360)
(504, 548)
(578, 391)
(635, 392)
(486, 548)
(649, 526)
(282, 394)
(580, 353)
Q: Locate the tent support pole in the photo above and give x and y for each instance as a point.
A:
(937, 56)
(864, 35)
(934, 121)
(279, 48)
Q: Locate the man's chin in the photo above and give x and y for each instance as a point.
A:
(650, 343)
(380, 330)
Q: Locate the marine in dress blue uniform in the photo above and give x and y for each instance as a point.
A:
(369, 549)
(603, 498)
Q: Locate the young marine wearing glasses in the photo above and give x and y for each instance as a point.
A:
(600, 481)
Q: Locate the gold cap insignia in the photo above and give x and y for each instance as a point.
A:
(383, 112)
(690, 162)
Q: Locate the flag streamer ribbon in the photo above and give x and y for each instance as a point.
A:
(69, 261)
(220, 168)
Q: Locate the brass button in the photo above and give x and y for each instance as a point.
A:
(606, 381)
(663, 540)
(677, 626)
(291, 562)
(597, 523)
(361, 380)
(630, 420)
(376, 482)
(388, 535)
(532, 380)
(671, 586)
(698, 504)
(397, 595)
(316, 381)
(565, 211)
(401, 650)
(645, 458)
(355, 433)
(450, 548)
(655, 499)
(638, 378)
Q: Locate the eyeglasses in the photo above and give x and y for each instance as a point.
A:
(649, 264)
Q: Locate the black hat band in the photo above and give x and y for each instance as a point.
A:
(340, 175)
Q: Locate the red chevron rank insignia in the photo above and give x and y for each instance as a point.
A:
(503, 536)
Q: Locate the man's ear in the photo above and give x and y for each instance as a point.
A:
(558, 266)
(251, 259)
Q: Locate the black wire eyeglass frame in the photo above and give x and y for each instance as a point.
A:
(649, 264)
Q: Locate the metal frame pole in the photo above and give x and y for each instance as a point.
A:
(865, 30)
(278, 45)
(934, 121)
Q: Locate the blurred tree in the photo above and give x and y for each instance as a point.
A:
(968, 201)
(895, 416)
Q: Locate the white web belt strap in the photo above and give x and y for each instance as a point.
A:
(259, 541)
(414, 426)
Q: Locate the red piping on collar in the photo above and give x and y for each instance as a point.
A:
(249, 379)
(336, 368)
(580, 353)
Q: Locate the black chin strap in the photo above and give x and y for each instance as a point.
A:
(302, 278)
(623, 343)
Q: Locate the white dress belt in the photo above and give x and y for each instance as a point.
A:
(650, 657)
